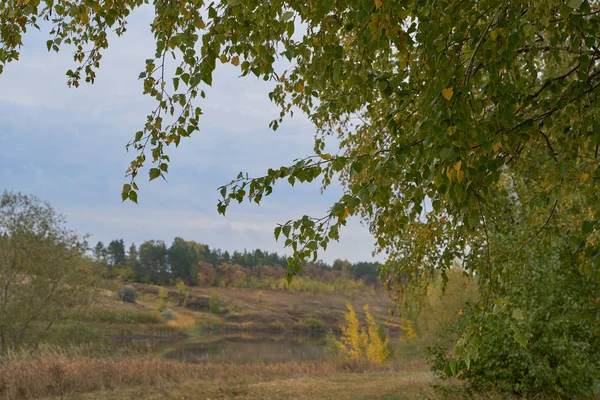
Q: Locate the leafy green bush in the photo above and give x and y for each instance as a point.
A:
(539, 334)
(127, 294)
(214, 303)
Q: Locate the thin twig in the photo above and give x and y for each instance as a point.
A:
(541, 229)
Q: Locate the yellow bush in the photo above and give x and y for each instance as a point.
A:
(378, 347)
(354, 338)
(358, 343)
(408, 327)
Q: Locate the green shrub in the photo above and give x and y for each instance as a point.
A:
(163, 295)
(127, 294)
(214, 303)
(168, 314)
(539, 334)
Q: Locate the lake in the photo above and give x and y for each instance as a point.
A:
(247, 347)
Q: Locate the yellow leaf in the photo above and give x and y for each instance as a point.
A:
(451, 130)
(494, 34)
(460, 175)
(584, 176)
(223, 58)
(235, 61)
(450, 173)
(457, 165)
(199, 23)
(447, 93)
(135, 186)
(378, 3)
(300, 87)
(85, 18)
(496, 147)
(96, 7)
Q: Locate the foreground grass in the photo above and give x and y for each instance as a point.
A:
(84, 373)
(333, 385)
(76, 374)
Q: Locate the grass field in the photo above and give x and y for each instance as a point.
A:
(72, 376)
(93, 366)
(247, 309)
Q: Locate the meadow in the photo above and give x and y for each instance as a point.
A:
(117, 350)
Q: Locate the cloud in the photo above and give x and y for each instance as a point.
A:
(67, 146)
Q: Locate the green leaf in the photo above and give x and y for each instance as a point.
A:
(125, 191)
(447, 153)
(453, 366)
(277, 232)
(575, 4)
(133, 196)
(338, 209)
(154, 173)
(519, 337)
(286, 230)
(287, 16)
(587, 227)
(562, 168)
(518, 314)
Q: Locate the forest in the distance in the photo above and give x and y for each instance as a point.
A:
(198, 264)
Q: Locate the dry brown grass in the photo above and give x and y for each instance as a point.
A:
(73, 375)
(244, 310)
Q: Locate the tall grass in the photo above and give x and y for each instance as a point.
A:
(57, 371)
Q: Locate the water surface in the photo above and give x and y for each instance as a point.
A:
(247, 347)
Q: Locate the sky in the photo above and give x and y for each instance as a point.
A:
(67, 146)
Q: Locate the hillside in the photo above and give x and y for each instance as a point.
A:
(252, 309)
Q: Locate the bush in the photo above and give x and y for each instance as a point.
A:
(214, 303)
(168, 314)
(260, 295)
(539, 336)
(182, 291)
(311, 324)
(358, 343)
(127, 294)
(163, 295)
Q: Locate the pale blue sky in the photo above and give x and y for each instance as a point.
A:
(67, 146)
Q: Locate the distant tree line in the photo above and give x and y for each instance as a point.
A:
(198, 264)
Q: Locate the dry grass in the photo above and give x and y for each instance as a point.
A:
(74, 373)
(245, 310)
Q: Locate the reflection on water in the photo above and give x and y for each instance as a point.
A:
(247, 347)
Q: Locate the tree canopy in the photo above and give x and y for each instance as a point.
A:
(451, 116)
(43, 270)
(432, 102)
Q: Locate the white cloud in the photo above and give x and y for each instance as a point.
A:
(67, 147)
